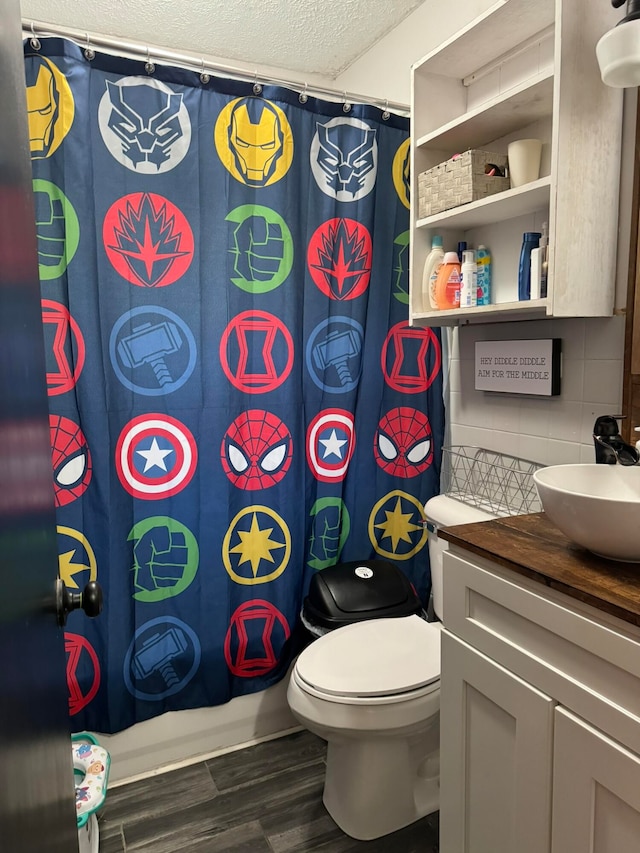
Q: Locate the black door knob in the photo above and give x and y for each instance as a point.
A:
(90, 600)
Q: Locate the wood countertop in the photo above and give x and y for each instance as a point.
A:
(534, 547)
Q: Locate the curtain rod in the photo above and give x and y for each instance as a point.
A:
(136, 50)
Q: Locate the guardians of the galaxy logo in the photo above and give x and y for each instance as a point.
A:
(50, 107)
(254, 141)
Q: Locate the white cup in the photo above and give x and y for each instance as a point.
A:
(524, 161)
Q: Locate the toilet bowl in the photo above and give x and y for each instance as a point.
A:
(371, 689)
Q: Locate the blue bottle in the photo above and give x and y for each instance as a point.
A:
(530, 240)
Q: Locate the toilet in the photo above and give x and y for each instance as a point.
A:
(371, 689)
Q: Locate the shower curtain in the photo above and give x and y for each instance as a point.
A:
(236, 398)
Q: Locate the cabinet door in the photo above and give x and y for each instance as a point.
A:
(596, 791)
(496, 753)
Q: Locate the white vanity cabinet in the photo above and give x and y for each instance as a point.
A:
(522, 69)
(540, 717)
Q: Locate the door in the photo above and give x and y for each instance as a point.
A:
(496, 742)
(596, 791)
(37, 810)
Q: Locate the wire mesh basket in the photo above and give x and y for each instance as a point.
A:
(495, 482)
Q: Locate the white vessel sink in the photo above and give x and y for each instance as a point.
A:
(596, 506)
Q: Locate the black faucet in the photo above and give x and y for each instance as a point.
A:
(611, 449)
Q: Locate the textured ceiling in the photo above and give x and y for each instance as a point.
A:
(305, 36)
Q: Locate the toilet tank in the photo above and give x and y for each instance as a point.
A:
(358, 590)
(443, 511)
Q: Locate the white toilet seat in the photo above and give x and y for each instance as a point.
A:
(375, 662)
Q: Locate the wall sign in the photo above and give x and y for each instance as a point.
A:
(519, 367)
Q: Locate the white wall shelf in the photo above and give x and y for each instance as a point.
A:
(509, 204)
(524, 68)
(483, 313)
(510, 110)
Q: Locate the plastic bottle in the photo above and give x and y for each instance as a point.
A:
(462, 248)
(530, 240)
(483, 260)
(544, 258)
(536, 274)
(469, 280)
(432, 265)
(448, 282)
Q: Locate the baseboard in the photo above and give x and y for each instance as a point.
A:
(180, 738)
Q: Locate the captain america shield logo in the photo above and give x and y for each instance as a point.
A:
(156, 456)
(331, 440)
(339, 258)
(256, 450)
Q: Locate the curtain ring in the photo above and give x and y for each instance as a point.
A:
(149, 67)
(34, 41)
(386, 115)
(303, 97)
(257, 87)
(346, 106)
(89, 52)
(204, 77)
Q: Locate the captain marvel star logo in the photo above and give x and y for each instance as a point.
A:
(256, 352)
(257, 632)
(254, 141)
(64, 347)
(257, 546)
(70, 458)
(50, 106)
(339, 258)
(331, 440)
(402, 445)
(344, 158)
(83, 672)
(256, 450)
(76, 558)
(144, 124)
(411, 358)
(147, 239)
(396, 526)
(400, 172)
(156, 456)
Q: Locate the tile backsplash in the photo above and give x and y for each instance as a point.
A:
(548, 430)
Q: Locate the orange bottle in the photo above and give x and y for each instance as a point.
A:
(448, 282)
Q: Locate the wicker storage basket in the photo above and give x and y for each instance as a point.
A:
(459, 181)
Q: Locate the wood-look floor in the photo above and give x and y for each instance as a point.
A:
(263, 799)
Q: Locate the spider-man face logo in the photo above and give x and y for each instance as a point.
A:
(256, 450)
(71, 460)
(402, 445)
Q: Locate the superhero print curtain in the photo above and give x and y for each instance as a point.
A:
(236, 398)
